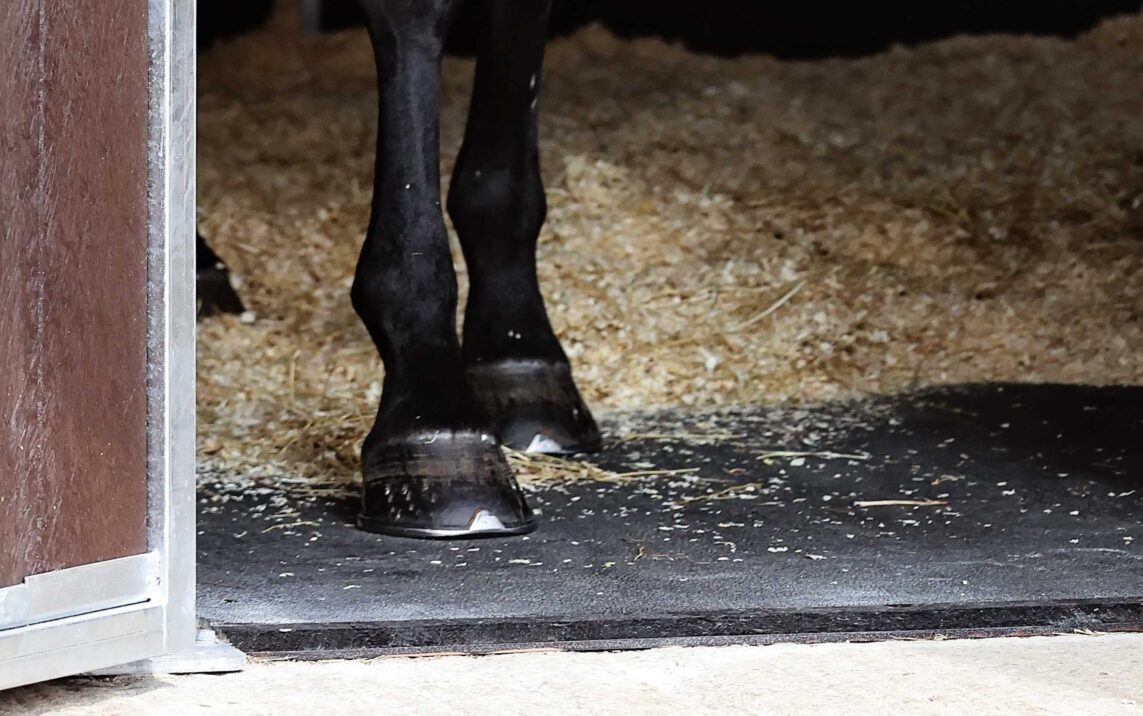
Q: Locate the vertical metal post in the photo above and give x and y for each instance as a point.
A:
(171, 347)
(171, 361)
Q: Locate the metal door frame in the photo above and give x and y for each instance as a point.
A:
(108, 613)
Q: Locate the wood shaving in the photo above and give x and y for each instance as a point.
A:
(720, 232)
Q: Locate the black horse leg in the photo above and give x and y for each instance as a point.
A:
(519, 374)
(215, 294)
(431, 466)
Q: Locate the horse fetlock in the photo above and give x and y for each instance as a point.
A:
(497, 208)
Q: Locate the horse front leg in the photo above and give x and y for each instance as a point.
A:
(430, 464)
(519, 374)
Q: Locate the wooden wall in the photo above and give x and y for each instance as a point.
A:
(73, 325)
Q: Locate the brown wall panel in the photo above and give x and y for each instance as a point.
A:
(73, 327)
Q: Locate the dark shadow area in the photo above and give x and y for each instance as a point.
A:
(792, 30)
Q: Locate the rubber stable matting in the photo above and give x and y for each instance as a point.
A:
(977, 509)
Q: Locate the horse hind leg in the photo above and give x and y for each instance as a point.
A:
(214, 292)
(519, 374)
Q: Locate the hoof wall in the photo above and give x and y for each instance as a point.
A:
(534, 406)
(441, 486)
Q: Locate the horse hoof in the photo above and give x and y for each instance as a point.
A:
(442, 485)
(214, 294)
(214, 291)
(534, 406)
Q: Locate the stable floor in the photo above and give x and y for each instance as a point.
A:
(973, 509)
(1039, 675)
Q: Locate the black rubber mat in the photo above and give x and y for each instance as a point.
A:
(966, 510)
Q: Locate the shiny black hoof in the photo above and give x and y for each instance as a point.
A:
(534, 406)
(214, 291)
(441, 485)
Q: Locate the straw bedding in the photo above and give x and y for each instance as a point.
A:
(721, 231)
